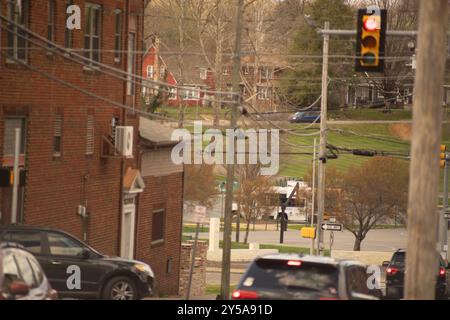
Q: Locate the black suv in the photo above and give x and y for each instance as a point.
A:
(76, 270)
(296, 277)
(395, 277)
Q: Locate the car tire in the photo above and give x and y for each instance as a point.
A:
(120, 288)
(392, 294)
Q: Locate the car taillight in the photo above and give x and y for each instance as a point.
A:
(391, 271)
(294, 263)
(52, 294)
(442, 272)
(240, 294)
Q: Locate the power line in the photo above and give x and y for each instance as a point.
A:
(52, 46)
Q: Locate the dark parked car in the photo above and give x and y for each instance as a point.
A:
(308, 117)
(21, 276)
(395, 277)
(64, 257)
(296, 277)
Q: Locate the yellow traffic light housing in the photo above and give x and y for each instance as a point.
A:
(443, 155)
(370, 40)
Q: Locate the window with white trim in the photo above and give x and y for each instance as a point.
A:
(92, 31)
(51, 21)
(150, 71)
(172, 93)
(191, 94)
(90, 134)
(57, 134)
(203, 73)
(17, 44)
(117, 35)
(263, 93)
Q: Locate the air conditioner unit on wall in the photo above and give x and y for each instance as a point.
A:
(124, 141)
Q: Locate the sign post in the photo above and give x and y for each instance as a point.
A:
(199, 217)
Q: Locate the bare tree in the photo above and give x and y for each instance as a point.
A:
(199, 184)
(253, 195)
(367, 195)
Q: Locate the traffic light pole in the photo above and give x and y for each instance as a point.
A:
(16, 177)
(443, 223)
(323, 141)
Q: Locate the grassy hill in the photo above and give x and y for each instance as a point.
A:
(379, 137)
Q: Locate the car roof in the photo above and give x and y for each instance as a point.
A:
(27, 227)
(310, 258)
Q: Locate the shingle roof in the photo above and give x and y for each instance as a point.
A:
(156, 133)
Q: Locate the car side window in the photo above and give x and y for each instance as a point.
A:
(11, 271)
(62, 245)
(362, 280)
(25, 270)
(31, 240)
(357, 280)
(36, 268)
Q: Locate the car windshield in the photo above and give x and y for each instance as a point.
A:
(277, 274)
(398, 260)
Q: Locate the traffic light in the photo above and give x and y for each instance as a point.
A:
(370, 40)
(443, 155)
(7, 178)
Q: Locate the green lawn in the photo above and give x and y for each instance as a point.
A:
(214, 289)
(191, 112)
(356, 136)
(369, 114)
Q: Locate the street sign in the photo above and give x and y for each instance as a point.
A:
(447, 215)
(200, 214)
(327, 226)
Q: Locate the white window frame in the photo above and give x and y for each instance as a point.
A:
(192, 94)
(203, 73)
(118, 26)
(150, 71)
(13, 14)
(90, 51)
(263, 93)
(172, 93)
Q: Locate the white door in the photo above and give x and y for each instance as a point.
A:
(127, 241)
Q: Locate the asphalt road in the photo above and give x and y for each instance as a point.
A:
(376, 240)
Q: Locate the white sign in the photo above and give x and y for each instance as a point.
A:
(331, 226)
(200, 214)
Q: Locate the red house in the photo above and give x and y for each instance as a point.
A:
(195, 90)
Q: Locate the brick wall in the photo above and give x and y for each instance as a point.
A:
(198, 285)
(56, 186)
(161, 192)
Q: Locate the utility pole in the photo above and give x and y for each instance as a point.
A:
(422, 256)
(323, 140)
(443, 222)
(311, 251)
(16, 176)
(226, 250)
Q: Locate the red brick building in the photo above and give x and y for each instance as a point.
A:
(67, 146)
(198, 82)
